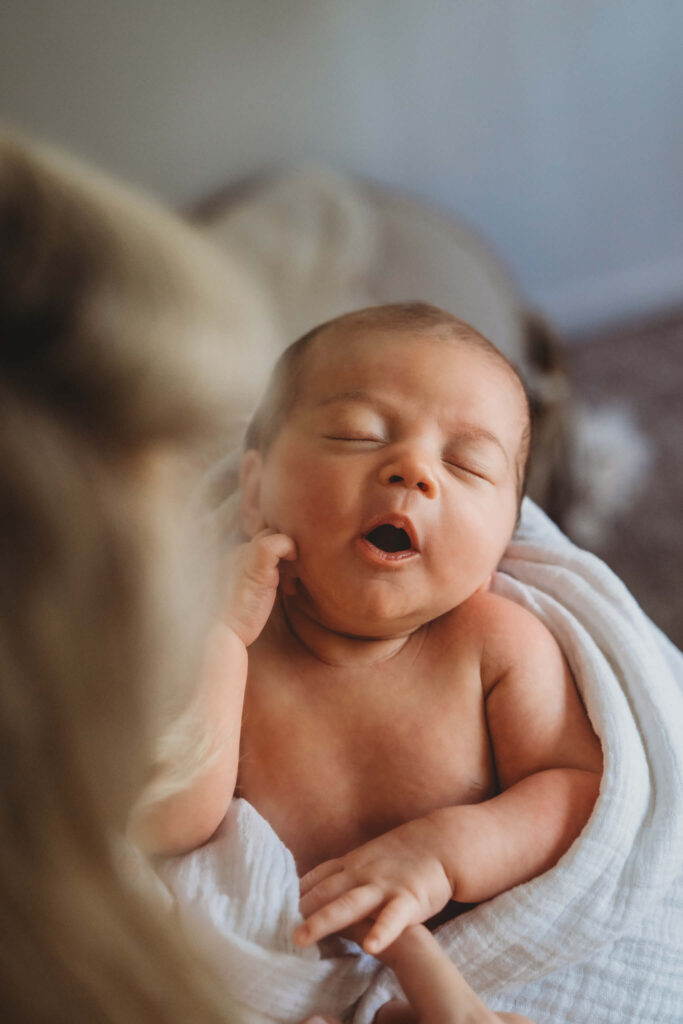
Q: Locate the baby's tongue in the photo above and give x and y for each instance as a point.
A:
(389, 538)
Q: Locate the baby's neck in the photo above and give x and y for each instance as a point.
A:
(333, 648)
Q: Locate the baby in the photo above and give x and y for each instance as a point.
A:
(413, 738)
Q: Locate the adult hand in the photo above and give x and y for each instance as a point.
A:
(436, 991)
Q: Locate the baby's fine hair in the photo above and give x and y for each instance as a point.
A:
(284, 386)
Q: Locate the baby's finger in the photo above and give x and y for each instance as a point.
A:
(325, 892)
(394, 917)
(279, 544)
(318, 873)
(353, 906)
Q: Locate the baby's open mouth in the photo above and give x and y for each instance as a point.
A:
(389, 538)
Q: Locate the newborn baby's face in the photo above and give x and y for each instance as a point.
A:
(396, 475)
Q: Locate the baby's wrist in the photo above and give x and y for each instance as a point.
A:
(453, 827)
(227, 632)
(241, 629)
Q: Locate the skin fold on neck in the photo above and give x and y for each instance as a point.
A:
(339, 649)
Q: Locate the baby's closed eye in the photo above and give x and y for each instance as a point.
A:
(464, 467)
(355, 436)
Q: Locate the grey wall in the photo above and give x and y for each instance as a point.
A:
(553, 126)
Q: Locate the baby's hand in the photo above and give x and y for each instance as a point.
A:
(396, 880)
(253, 576)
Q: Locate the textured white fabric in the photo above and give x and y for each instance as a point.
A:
(237, 898)
(597, 939)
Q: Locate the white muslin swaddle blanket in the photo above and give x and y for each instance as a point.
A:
(596, 940)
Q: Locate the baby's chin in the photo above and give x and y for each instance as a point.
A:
(368, 618)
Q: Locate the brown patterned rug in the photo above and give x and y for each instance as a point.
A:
(641, 367)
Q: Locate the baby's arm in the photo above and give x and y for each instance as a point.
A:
(189, 817)
(548, 759)
(549, 765)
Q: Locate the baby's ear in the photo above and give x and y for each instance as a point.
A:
(250, 499)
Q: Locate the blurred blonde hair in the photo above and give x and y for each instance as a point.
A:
(113, 321)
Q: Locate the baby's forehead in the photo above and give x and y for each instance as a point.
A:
(339, 349)
(355, 346)
(355, 343)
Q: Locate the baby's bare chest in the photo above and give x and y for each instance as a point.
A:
(332, 762)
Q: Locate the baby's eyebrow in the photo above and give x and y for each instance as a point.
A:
(470, 432)
(348, 396)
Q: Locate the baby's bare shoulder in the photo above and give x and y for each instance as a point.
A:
(505, 634)
(489, 628)
(498, 620)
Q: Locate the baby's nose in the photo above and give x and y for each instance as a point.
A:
(411, 473)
